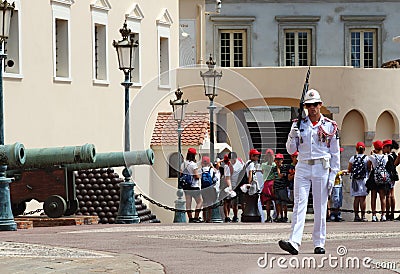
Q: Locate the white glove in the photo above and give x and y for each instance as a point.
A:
(294, 133)
(228, 189)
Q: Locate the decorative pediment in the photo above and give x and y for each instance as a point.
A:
(165, 18)
(64, 2)
(135, 12)
(101, 4)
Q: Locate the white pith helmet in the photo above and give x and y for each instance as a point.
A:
(312, 96)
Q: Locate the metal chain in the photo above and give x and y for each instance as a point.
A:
(217, 204)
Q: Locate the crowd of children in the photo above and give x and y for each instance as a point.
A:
(273, 181)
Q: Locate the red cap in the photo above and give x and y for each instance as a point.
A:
(360, 144)
(192, 150)
(254, 152)
(387, 143)
(226, 158)
(205, 160)
(295, 154)
(279, 156)
(378, 144)
(341, 149)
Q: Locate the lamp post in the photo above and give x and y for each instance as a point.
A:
(211, 79)
(178, 110)
(7, 222)
(126, 48)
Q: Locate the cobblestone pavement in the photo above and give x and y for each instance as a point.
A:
(198, 248)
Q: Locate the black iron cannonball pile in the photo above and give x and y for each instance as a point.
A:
(97, 191)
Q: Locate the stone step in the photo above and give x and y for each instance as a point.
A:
(43, 221)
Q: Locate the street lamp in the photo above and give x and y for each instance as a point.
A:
(178, 110)
(6, 216)
(211, 79)
(126, 48)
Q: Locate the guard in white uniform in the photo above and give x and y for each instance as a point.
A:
(317, 142)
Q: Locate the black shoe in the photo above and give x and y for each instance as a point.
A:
(191, 220)
(235, 219)
(227, 220)
(287, 246)
(197, 220)
(268, 220)
(319, 250)
(397, 219)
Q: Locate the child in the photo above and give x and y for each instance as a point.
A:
(280, 189)
(337, 197)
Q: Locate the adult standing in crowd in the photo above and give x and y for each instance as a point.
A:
(232, 168)
(389, 148)
(358, 168)
(194, 190)
(317, 142)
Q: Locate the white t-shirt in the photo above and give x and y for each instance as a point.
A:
(237, 168)
(252, 167)
(191, 167)
(372, 158)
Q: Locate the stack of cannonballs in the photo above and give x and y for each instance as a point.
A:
(97, 191)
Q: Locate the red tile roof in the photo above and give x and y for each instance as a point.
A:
(195, 127)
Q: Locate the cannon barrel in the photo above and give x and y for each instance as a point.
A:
(13, 155)
(48, 157)
(116, 159)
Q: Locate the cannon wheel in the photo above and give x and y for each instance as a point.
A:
(18, 209)
(73, 207)
(54, 206)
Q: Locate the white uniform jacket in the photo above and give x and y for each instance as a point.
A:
(317, 142)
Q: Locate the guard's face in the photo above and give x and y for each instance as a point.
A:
(313, 108)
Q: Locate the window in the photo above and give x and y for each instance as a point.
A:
(363, 48)
(61, 40)
(12, 46)
(163, 28)
(62, 50)
(172, 167)
(232, 35)
(297, 47)
(164, 61)
(100, 61)
(99, 10)
(133, 20)
(363, 40)
(233, 48)
(297, 37)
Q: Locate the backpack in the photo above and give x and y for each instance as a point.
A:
(185, 180)
(392, 168)
(206, 179)
(381, 175)
(358, 170)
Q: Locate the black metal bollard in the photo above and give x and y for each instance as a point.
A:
(250, 208)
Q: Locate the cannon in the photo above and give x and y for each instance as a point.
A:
(55, 185)
(12, 155)
(42, 172)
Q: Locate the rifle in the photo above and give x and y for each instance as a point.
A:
(301, 108)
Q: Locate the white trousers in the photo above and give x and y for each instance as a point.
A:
(317, 177)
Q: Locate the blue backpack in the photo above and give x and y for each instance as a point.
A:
(206, 179)
(185, 180)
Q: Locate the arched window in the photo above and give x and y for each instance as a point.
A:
(172, 165)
